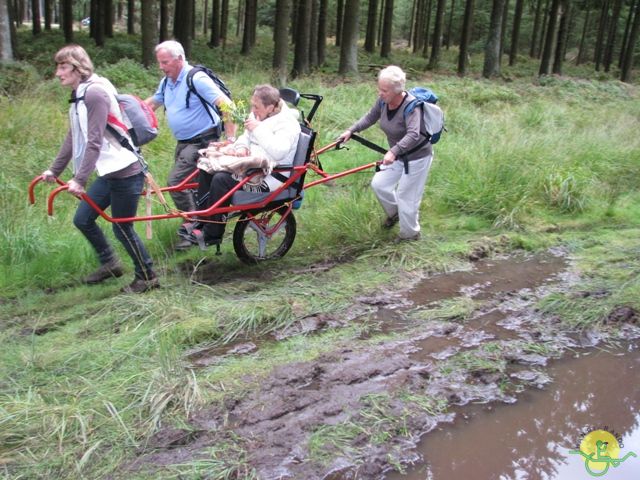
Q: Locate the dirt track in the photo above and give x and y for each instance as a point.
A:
(388, 393)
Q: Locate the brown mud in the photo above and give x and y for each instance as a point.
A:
(533, 438)
(391, 392)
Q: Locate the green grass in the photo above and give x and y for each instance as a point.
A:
(87, 374)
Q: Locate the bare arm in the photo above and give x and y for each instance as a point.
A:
(152, 103)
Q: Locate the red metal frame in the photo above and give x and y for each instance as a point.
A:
(187, 183)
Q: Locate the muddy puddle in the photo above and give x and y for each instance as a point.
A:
(489, 363)
(532, 438)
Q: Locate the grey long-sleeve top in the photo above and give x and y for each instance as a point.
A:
(403, 134)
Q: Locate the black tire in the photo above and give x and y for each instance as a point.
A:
(251, 243)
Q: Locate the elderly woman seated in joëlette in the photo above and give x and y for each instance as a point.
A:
(270, 139)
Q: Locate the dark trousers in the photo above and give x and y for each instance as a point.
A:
(211, 188)
(122, 195)
(186, 161)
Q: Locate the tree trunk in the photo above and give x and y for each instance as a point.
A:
(67, 20)
(448, 39)
(322, 31)
(131, 10)
(6, 48)
(585, 26)
(563, 35)
(349, 44)
(627, 64)
(313, 34)
(627, 29)
(47, 15)
(164, 20)
(372, 17)
(503, 29)
(420, 14)
(250, 25)
(515, 32)
(437, 35)
(602, 28)
(205, 17)
(547, 51)
(611, 38)
(93, 16)
(224, 21)
(491, 66)
(465, 39)
(36, 27)
(281, 42)
(214, 40)
(108, 18)
(182, 25)
(293, 30)
(543, 32)
(412, 24)
(148, 30)
(427, 29)
(301, 51)
(533, 51)
(99, 17)
(339, 21)
(387, 26)
(380, 20)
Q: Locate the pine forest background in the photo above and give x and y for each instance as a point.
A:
(598, 34)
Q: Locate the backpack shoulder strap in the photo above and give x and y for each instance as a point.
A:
(411, 106)
(164, 85)
(191, 88)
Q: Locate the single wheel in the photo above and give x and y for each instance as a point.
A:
(264, 235)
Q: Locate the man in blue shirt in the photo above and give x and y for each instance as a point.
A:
(192, 126)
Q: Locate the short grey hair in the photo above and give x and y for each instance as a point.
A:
(174, 48)
(267, 95)
(394, 76)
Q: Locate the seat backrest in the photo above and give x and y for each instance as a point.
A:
(303, 155)
(290, 95)
(305, 146)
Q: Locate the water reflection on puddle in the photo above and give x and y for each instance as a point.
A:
(531, 439)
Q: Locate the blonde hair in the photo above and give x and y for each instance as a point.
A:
(76, 56)
(394, 76)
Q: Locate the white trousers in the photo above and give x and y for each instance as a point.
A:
(401, 193)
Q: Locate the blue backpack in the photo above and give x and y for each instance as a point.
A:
(432, 115)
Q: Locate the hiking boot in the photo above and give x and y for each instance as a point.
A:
(411, 238)
(187, 227)
(186, 234)
(140, 285)
(198, 237)
(390, 221)
(185, 243)
(111, 269)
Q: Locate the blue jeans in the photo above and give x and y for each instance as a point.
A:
(123, 195)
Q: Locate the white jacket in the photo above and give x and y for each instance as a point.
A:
(113, 157)
(275, 138)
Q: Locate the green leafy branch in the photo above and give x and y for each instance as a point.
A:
(237, 112)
